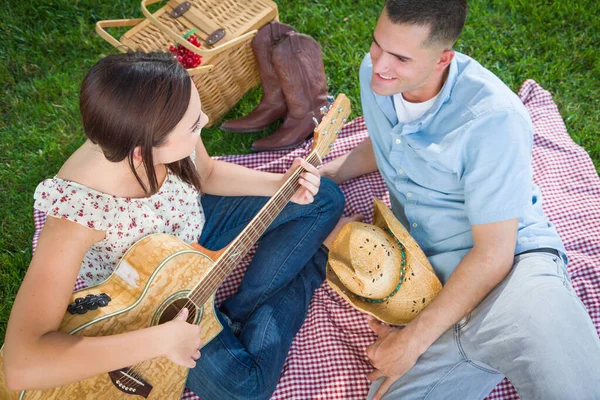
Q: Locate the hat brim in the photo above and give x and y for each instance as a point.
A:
(420, 285)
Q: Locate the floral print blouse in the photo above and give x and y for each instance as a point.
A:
(175, 209)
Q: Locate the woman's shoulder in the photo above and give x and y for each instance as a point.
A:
(88, 167)
(71, 194)
(61, 198)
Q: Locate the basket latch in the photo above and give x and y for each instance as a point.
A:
(215, 36)
(180, 9)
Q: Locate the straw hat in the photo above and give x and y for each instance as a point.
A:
(380, 269)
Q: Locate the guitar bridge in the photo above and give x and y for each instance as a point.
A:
(130, 383)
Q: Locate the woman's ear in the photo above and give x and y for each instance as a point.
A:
(137, 154)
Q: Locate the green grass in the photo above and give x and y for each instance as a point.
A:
(48, 45)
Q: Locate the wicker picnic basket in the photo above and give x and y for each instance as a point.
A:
(225, 29)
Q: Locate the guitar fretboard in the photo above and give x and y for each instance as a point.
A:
(232, 256)
(325, 135)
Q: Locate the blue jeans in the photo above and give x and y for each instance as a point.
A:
(531, 328)
(271, 303)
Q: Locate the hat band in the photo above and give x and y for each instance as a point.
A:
(402, 272)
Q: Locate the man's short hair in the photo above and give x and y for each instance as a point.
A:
(445, 18)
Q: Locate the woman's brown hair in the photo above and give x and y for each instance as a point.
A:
(137, 99)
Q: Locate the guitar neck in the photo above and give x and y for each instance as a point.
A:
(259, 224)
(250, 235)
(325, 135)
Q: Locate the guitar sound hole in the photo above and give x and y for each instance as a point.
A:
(173, 309)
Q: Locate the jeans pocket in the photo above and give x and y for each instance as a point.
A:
(562, 269)
(567, 282)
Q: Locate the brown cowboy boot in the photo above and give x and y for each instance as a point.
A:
(299, 65)
(272, 104)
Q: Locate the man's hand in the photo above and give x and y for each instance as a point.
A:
(394, 353)
(396, 350)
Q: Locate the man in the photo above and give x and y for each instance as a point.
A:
(453, 144)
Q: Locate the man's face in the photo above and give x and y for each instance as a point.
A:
(401, 61)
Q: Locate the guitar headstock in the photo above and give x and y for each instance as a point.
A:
(335, 116)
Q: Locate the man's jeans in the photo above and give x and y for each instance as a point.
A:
(532, 328)
(272, 300)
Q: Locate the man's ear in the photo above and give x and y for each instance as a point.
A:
(445, 59)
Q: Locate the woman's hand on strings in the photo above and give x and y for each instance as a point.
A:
(309, 181)
(185, 341)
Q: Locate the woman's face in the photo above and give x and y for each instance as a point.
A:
(181, 142)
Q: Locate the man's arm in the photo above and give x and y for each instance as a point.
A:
(360, 161)
(486, 265)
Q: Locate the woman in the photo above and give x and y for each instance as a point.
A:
(135, 175)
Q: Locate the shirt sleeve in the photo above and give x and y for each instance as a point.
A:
(497, 174)
(59, 199)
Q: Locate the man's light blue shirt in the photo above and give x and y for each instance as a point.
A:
(466, 161)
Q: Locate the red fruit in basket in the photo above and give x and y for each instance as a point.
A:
(194, 40)
(187, 57)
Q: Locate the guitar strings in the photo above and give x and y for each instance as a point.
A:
(291, 186)
(244, 237)
(248, 238)
(289, 190)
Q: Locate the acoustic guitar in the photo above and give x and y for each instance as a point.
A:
(157, 277)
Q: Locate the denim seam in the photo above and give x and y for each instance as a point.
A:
(464, 354)
(233, 355)
(457, 342)
(567, 283)
(252, 367)
(489, 371)
(467, 319)
(280, 270)
(442, 378)
(272, 316)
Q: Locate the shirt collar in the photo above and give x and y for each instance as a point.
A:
(386, 103)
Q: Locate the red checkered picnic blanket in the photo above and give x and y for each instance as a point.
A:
(327, 358)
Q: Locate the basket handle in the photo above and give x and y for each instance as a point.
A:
(203, 69)
(113, 23)
(179, 39)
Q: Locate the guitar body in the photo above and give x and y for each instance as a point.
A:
(149, 286)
